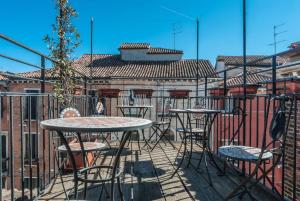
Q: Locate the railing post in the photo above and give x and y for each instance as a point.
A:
(85, 86)
(225, 84)
(42, 74)
(274, 75)
(205, 87)
(1, 146)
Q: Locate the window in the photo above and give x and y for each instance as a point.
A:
(34, 145)
(4, 153)
(230, 104)
(2, 106)
(31, 102)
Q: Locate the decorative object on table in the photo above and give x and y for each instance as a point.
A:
(131, 98)
(101, 106)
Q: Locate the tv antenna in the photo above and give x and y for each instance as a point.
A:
(176, 30)
(277, 32)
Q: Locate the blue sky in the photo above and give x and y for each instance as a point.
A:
(117, 21)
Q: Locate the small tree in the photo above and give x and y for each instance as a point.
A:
(62, 43)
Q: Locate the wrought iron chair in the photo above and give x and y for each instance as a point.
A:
(161, 127)
(194, 131)
(258, 155)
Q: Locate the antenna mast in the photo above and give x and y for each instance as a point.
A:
(275, 34)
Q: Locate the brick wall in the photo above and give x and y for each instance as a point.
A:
(292, 157)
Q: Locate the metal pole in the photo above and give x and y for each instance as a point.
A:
(244, 76)
(197, 82)
(1, 109)
(42, 74)
(91, 65)
(274, 75)
(225, 83)
(205, 87)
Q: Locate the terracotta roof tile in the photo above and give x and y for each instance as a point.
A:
(163, 51)
(253, 59)
(252, 78)
(111, 66)
(134, 46)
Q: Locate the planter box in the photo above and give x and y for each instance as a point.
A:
(288, 86)
(147, 92)
(250, 89)
(217, 92)
(111, 93)
(179, 93)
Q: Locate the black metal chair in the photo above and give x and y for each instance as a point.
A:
(259, 155)
(161, 127)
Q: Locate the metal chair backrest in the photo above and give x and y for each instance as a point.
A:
(278, 122)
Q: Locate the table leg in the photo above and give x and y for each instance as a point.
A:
(84, 162)
(116, 161)
(75, 171)
(184, 146)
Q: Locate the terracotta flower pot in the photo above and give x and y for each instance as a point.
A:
(217, 92)
(111, 93)
(251, 89)
(147, 92)
(285, 86)
(180, 93)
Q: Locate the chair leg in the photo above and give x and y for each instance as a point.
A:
(120, 189)
(191, 151)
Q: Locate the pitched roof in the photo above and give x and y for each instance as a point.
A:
(259, 60)
(252, 78)
(151, 50)
(163, 51)
(107, 66)
(135, 46)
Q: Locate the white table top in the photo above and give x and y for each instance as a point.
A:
(96, 124)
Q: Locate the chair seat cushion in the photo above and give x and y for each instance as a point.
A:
(194, 130)
(243, 153)
(88, 147)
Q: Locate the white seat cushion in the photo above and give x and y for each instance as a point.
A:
(244, 153)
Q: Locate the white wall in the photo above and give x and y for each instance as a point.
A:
(141, 55)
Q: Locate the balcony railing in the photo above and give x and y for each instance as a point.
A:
(31, 164)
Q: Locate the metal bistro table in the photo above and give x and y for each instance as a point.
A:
(210, 116)
(141, 113)
(142, 110)
(80, 125)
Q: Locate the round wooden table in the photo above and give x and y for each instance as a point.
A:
(80, 125)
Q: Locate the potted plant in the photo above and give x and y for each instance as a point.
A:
(62, 43)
